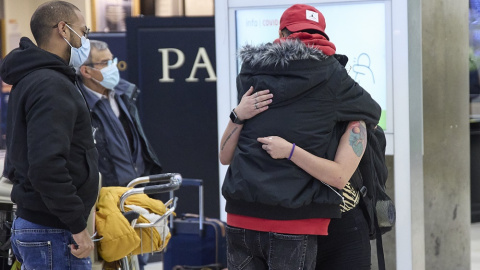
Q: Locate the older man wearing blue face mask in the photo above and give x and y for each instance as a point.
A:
(51, 157)
(124, 150)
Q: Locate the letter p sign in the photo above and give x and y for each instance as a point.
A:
(166, 66)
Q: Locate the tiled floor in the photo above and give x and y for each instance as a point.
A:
(475, 250)
(157, 266)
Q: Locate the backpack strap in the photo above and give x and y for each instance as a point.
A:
(378, 241)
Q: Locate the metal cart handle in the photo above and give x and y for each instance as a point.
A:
(154, 178)
(174, 180)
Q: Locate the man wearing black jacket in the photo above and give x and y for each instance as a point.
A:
(51, 157)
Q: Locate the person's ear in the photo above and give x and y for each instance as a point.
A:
(85, 71)
(61, 27)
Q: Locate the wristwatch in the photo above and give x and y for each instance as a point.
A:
(235, 119)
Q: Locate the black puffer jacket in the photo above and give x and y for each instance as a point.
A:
(312, 92)
(51, 157)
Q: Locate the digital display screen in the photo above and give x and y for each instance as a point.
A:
(358, 30)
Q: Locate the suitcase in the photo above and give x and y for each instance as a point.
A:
(197, 242)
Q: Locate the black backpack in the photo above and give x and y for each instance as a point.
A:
(370, 179)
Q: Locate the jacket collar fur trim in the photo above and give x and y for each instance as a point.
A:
(279, 53)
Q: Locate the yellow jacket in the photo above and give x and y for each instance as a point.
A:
(119, 238)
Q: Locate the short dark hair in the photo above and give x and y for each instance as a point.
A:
(287, 32)
(48, 15)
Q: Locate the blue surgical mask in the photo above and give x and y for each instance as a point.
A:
(111, 75)
(78, 55)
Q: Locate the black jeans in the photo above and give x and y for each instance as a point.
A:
(254, 250)
(347, 245)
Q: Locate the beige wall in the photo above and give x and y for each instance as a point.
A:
(17, 18)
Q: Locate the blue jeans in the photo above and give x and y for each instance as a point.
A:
(347, 245)
(254, 250)
(40, 247)
(143, 260)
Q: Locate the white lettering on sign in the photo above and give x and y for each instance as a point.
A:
(166, 63)
(201, 61)
(202, 55)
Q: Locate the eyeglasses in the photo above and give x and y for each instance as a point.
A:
(86, 31)
(102, 63)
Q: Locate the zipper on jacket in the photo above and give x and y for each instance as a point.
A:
(94, 131)
(343, 199)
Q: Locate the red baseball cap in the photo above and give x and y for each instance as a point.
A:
(302, 17)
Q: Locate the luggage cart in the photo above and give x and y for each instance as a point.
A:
(164, 183)
(7, 215)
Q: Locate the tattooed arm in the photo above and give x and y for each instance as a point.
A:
(335, 173)
(250, 105)
(229, 142)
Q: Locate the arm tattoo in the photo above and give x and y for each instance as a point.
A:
(228, 138)
(358, 135)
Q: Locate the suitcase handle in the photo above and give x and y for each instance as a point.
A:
(193, 183)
